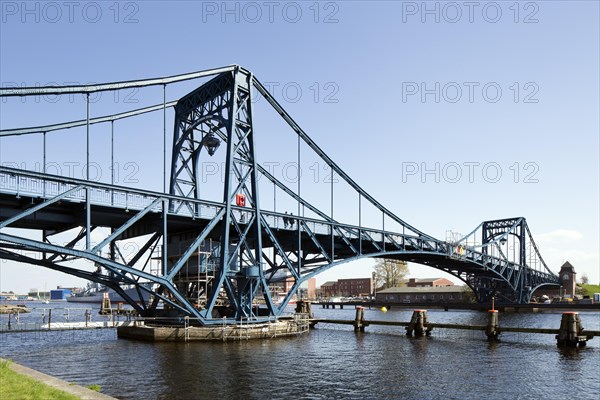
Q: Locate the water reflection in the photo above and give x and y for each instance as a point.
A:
(570, 353)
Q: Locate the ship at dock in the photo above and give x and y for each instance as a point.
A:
(94, 293)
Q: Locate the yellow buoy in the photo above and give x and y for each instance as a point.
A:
(383, 309)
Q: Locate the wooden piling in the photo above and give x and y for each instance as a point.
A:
(570, 333)
(359, 320)
(418, 324)
(419, 319)
(304, 307)
(105, 308)
(309, 309)
(492, 329)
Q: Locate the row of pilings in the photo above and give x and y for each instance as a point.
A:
(570, 334)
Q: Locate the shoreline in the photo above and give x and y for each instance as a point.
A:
(82, 392)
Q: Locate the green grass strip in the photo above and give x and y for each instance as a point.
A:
(14, 386)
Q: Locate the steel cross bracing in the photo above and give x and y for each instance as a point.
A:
(221, 259)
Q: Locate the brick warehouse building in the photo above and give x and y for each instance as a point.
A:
(350, 287)
(440, 294)
(355, 287)
(329, 289)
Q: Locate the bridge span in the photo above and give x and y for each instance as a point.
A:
(213, 259)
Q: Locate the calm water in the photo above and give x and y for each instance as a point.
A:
(330, 362)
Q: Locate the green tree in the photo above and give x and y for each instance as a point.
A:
(467, 294)
(390, 273)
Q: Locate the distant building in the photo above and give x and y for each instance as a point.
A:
(350, 287)
(429, 282)
(60, 294)
(429, 294)
(36, 294)
(568, 283)
(568, 280)
(329, 289)
(361, 287)
(308, 291)
(280, 289)
(312, 289)
(8, 296)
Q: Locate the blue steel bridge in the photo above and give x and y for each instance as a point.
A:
(219, 259)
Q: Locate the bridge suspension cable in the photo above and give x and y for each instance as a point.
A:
(83, 122)
(102, 87)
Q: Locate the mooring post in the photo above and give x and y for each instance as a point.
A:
(49, 317)
(105, 308)
(359, 320)
(492, 329)
(300, 309)
(418, 324)
(304, 307)
(571, 331)
(308, 307)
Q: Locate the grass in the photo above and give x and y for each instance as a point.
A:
(589, 290)
(94, 387)
(14, 386)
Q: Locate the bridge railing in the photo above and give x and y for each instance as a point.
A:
(34, 184)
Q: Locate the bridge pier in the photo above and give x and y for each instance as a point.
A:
(570, 333)
(418, 324)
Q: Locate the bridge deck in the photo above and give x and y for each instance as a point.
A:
(113, 206)
(66, 215)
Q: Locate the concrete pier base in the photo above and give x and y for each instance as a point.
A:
(229, 332)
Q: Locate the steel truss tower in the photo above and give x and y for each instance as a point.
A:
(220, 111)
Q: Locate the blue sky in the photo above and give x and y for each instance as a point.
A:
(389, 90)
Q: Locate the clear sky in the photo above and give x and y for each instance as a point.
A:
(449, 113)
